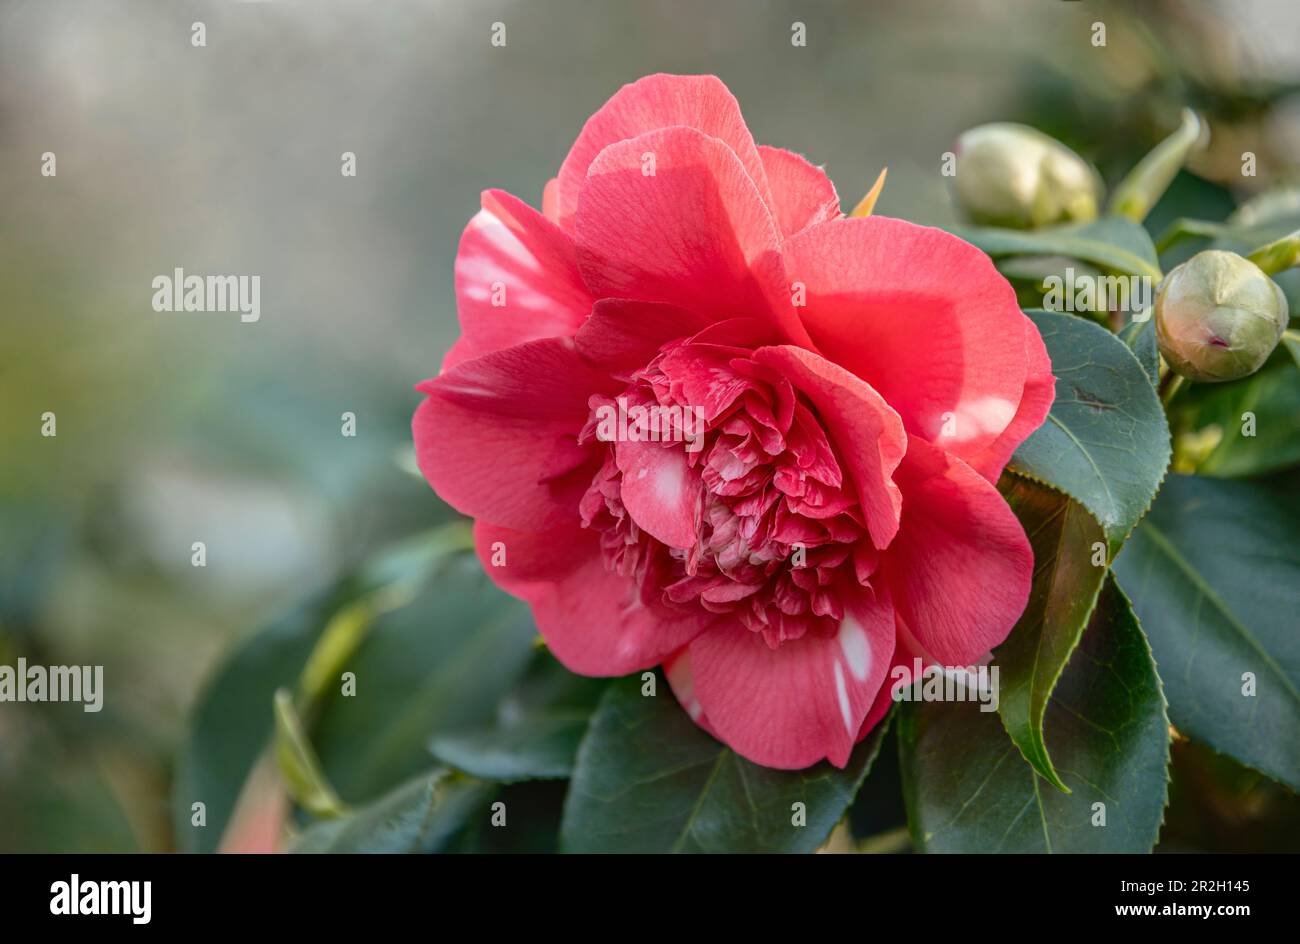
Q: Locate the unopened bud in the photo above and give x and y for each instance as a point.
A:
(1016, 176)
(1218, 317)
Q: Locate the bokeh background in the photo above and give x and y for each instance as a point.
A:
(176, 427)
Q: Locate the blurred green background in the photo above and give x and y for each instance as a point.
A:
(175, 427)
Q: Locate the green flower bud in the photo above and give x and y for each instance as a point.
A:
(1013, 175)
(1218, 317)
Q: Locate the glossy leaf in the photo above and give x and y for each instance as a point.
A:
(421, 815)
(233, 720)
(967, 789)
(649, 780)
(540, 748)
(440, 664)
(1140, 336)
(1251, 426)
(1214, 573)
(537, 728)
(1116, 245)
(1068, 543)
(1105, 442)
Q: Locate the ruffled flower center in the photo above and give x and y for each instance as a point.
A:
(766, 525)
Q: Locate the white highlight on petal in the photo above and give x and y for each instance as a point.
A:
(975, 418)
(853, 643)
(843, 695)
(669, 480)
(505, 240)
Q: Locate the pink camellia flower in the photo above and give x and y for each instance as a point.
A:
(839, 395)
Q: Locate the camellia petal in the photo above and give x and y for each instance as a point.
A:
(1035, 403)
(805, 700)
(920, 315)
(961, 567)
(590, 617)
(516, 279)
(700, 102)
(623, 335)
(869, 433)
(497, 436)
(694, 233)
(660, 491)
(802, 194)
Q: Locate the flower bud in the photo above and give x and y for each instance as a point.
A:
(1013, 175)
(1218, 317)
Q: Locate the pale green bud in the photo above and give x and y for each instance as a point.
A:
(1016, 176)
(1218, 317)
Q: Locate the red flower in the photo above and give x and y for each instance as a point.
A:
(858, 385)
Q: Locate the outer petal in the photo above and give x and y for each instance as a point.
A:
(1040, 391)
(551, 200)
(624, 335)
(868, 433)
(681, 677)
(802, 194)
(885, 697)
(923, 317)
(510, 253)
(701, 102)
(497, 437)
(961, 566)
(807, 699)
(695, 234)
(592, 618)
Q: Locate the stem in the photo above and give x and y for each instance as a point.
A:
(300, 768)
(1171, 390)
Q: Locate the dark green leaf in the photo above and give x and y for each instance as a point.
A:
(1033, 277)
(1214, 573)
(1271, 396)
(233, 720)
(1105, 442)
(539, 748)
(1117, 245)
(1066, 540)
(968, 791)
(649, 780)
(421, 815)
(537, 728)
(1140, 336)
(440, 664)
